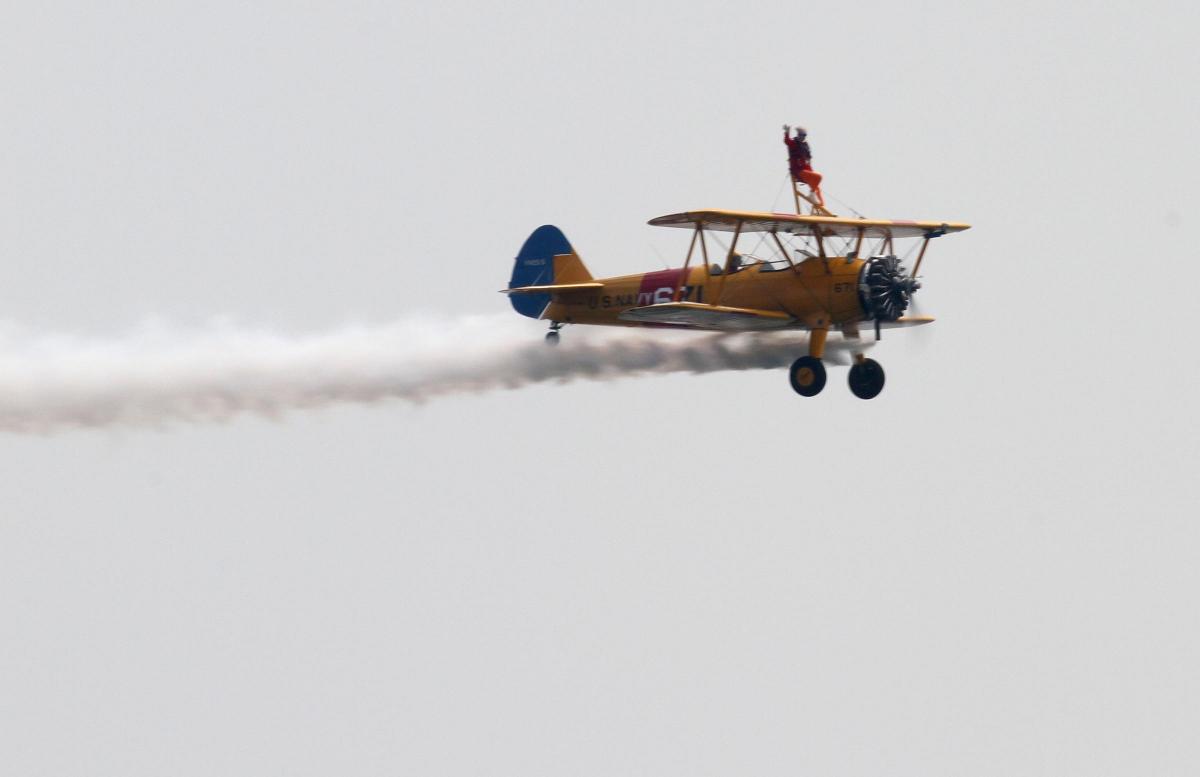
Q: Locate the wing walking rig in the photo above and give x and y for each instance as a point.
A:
(812, 270)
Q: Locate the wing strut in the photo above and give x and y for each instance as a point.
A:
(920, 256)
(728, 265)
(686, 263)
(930, 235)
(783, 252)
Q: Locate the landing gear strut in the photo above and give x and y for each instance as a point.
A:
(866, 378)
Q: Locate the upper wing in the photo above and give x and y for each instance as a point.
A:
(728, 221)
(692, 314)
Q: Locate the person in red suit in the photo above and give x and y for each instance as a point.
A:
(800, 160)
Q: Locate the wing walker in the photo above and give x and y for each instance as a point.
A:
(809, 270)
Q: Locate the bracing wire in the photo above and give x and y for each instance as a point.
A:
(845, 205)
(658, 253)
(779, 193)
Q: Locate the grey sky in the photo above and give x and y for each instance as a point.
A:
(990, 569)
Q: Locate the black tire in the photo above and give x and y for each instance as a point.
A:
(552, 338)
(808, 376)
(866, 379)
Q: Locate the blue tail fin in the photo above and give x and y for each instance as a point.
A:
(535, 266)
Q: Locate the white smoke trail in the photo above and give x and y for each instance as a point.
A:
(158, 375)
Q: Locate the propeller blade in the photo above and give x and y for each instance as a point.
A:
(922, 335)
(914, 305)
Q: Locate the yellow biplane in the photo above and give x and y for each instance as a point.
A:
(813, 271)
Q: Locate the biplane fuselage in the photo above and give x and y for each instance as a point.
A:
(799, 295)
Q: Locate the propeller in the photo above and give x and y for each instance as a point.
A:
(915, 307)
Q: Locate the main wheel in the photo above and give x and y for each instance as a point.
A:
(552, 338)
(808, 376)
(866, 379)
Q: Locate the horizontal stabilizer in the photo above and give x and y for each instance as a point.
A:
(697, 316)
(554, 288)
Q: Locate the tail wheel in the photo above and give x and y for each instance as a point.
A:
(552, 338)
(808, 376)
(866, 379)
